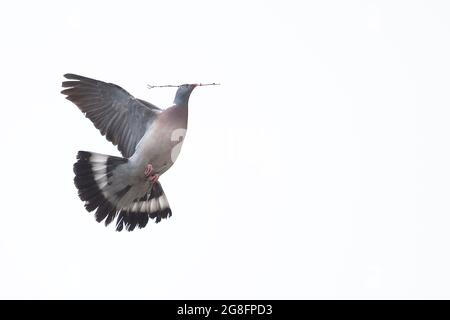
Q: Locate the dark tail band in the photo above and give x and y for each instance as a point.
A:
(93, 174)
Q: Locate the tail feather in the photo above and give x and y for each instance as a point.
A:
(93, 174)
(152, 205)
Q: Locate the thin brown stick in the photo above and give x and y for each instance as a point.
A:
(208, 84)
(176, 86)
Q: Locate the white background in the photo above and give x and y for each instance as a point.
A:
(318, 169)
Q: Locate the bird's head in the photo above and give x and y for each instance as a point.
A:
(183, 93)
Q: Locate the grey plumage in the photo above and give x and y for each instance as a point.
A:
(144, 134)
(117, 114)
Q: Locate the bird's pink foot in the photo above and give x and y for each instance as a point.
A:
(154, 178)
(148, 170)
(148, 173)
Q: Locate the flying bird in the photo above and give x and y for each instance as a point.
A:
(149, 139)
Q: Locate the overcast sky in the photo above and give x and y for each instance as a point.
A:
(318, 169)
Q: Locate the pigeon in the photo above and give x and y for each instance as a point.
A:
(127, 189)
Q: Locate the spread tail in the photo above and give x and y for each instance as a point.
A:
(93, 179)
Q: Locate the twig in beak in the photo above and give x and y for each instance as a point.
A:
(176, 86)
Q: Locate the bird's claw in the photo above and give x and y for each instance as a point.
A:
(154, 178)
(148, 170)
(148, 173)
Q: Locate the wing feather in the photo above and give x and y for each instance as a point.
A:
(119, 116)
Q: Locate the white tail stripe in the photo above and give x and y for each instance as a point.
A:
(97, 166)
(163, 203)
(150, 206)
(135, 207)
(99, 170)
(154, 205)
(101, 185)
(100, 178)
(145, 206)
(98, 158)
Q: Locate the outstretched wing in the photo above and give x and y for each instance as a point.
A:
(119, 116)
